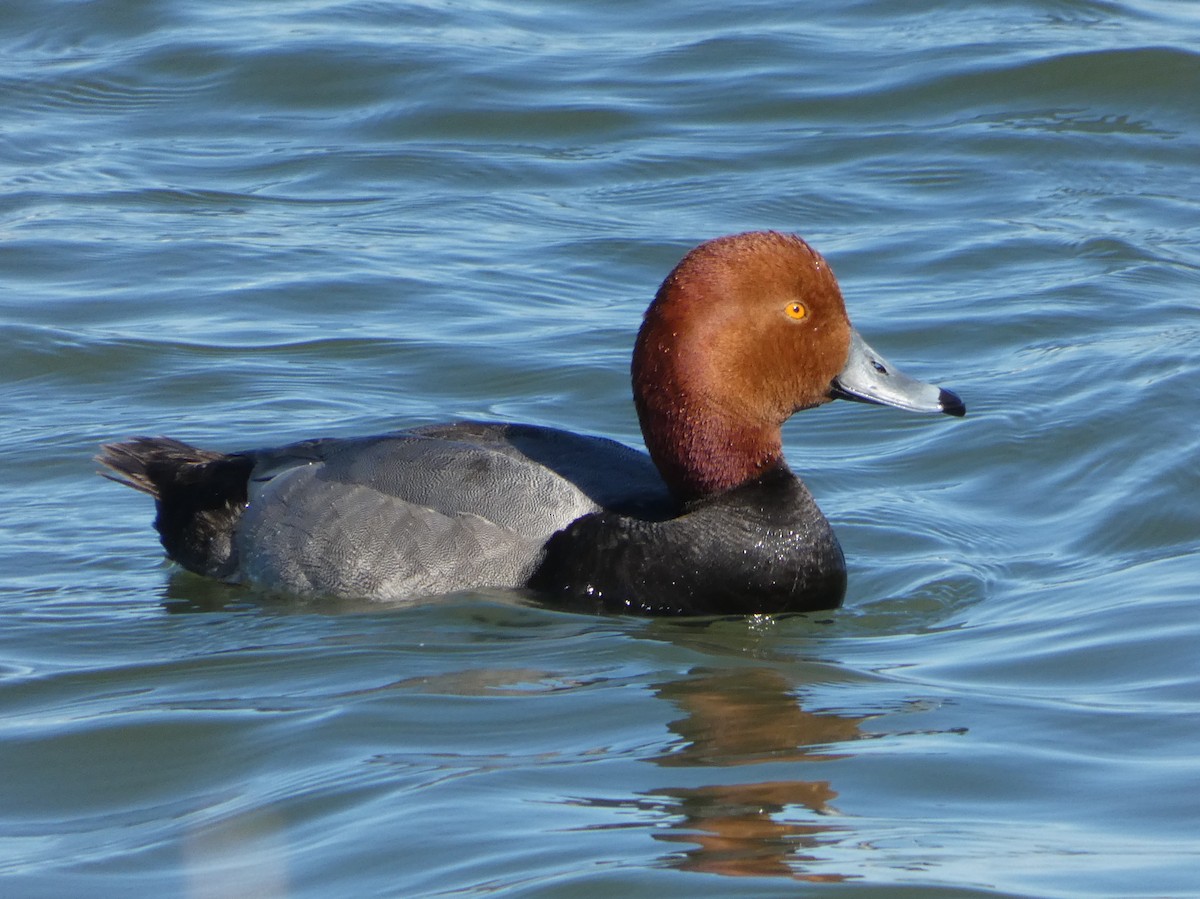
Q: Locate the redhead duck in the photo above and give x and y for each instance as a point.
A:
(745, 331)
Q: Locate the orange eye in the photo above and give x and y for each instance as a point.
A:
(795, 311)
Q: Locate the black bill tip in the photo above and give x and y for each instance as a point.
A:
(951, 403)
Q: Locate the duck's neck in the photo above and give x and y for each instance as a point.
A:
(701, 432)
(701, 452)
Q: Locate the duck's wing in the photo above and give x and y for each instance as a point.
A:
(431, 510)
(613, 476)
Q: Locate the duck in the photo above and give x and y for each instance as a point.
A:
(745, 331)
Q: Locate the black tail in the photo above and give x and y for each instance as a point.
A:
(200, 496)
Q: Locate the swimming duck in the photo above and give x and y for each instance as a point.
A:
(745, 331)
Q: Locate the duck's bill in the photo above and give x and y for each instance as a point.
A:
(869, 378)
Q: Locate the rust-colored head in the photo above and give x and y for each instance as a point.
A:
(746, 330)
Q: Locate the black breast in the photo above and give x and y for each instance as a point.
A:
(762, 547)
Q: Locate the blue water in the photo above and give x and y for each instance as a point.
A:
(244, 223)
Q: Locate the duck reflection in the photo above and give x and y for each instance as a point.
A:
(743, 716)
(737, 830)
(736, 718)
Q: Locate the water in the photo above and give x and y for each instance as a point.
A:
(242, 223)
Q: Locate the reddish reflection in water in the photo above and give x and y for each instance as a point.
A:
(737, 718)
(745, 716)
(743, 830)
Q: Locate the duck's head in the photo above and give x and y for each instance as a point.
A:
(744, 332)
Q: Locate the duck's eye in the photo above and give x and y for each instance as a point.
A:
(795, 311)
